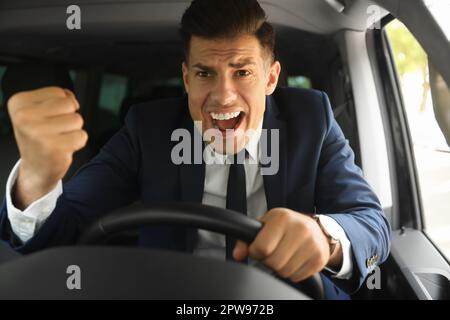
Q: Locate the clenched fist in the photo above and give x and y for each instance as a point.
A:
(292, 244)
(48, 130)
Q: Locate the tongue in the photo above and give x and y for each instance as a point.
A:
(227, 124)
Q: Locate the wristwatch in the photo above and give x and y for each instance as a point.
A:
(331, 240)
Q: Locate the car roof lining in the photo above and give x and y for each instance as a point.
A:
(114, 31)
(35, 16)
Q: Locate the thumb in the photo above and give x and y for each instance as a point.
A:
(240, 250)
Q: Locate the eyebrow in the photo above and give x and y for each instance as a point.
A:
(242, 63)
(202, 67)
(236, 65)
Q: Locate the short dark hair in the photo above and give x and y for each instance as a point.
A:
(216, 19)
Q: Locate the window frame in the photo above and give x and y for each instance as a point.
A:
(405, 186)
(407, 203)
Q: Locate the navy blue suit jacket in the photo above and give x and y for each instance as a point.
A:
(316, 174)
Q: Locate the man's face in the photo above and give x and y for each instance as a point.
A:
(227, 81)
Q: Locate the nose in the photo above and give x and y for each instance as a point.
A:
(224, 92)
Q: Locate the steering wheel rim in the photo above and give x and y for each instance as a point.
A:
(194, 215)
(187, 214)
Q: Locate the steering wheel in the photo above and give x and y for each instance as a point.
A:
(194, 215)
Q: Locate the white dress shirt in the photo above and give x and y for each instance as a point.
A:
(26, 223)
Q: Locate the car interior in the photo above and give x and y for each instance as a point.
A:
(129, 52)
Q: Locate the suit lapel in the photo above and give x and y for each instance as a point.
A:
(192, 178)
(275, 185)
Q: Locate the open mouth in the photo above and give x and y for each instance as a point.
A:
(227, 121)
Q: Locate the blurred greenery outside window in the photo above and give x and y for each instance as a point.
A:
(72, 75)
(299, 82)
(113, 91)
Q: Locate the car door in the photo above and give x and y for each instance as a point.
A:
(409, 53)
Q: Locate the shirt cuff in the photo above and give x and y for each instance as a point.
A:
(336, 231)
(25, 223)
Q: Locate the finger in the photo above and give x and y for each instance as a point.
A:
(36, 96)
(72, 96)
(268, 238)
(69, 93)
(74, 140)
(240, 251)
(62, 123)
(260, 218)
(56, 106)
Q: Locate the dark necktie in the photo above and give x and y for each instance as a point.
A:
(236, 199)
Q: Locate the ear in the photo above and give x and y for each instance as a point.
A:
(272, 79)
(184, 70)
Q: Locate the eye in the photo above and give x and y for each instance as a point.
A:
(243, 73)
(203, 74)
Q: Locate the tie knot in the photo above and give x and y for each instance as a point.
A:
(238, 158)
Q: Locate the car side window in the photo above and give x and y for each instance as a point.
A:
(431, 149)
(113, 91)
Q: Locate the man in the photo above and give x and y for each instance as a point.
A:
(229, 75)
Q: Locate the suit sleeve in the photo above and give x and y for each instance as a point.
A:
(109, 181)
(343, 194)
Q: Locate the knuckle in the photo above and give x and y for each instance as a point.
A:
(80, 140)
(284, 216)
(84, 134)
(56, 91)
(78, 119)
(277, 267)
(285, 272)
(65, 104)
(260, 250)
(72, 104)
(84, 137)
(66, 91)
(295, 278)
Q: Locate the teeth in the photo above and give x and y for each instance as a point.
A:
(224, 116)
